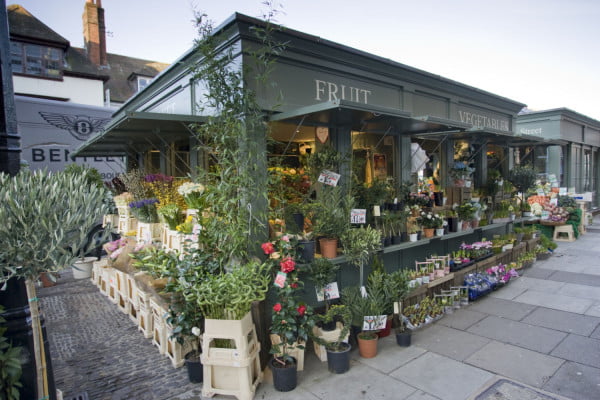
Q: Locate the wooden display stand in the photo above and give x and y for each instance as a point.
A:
(458, 195)
(148, 233)
(231, 371)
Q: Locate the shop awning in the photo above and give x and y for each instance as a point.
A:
(365, 118)
(490, 136)
(136, 132)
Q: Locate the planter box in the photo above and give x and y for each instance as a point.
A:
(148, 233)
(126, 224)
(329, 336)
(110, 219)
(232, 372)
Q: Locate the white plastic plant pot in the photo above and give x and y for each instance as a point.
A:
(82, 268)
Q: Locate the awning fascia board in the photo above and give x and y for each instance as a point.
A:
(132, 128)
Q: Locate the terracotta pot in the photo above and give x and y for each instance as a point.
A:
(429, 232)
(328, 247)
(367, 348)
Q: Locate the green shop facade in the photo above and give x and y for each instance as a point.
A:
(327, 94)
(574, 155)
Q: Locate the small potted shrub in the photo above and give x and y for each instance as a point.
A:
(338, 350)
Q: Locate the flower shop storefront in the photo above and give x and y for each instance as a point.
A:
(383, 163)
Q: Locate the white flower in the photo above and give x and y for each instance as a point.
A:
(196, 331)
(428, 216)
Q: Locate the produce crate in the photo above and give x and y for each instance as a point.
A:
(126, 224)
(144, 314)
(97, 268)
(159, 326)
(174, 350)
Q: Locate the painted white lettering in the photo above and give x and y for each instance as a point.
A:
(343, 92)
(366, 93)
(320, 89)
(332, 87)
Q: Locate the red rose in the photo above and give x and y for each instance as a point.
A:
(287, 265)
(294, 285)
(301, 310)
(277, 307)
(268, 248)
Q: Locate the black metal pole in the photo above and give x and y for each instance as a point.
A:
(10, 149)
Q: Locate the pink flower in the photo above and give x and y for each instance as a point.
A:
(277, 307)
(268, 248)
(285, 238)
(287, 265)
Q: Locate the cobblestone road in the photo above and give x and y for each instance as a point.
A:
(98, 350)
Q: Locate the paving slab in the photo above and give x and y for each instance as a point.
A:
(531, 337)
(555, 301)
(538, 272)
(576, 381)
(562, 321)
(593, 310)
(570, 277)
(505, 389)
(420, 395)
(462, 319)
(580, 291)
(502, 308)
(390, 356)
(442, 377)
(360, 382)
(579, 349)
(449, 342)
(596, 333)
(524, 365)
(539, 285)
(508, 292)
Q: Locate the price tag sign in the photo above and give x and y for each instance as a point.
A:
(374, 322)
(329, 178)
(329, 292)
(358, 216)
(280, 279)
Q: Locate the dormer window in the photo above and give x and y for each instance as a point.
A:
(142, 82)
(36, 60)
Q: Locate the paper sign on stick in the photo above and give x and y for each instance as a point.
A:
(330, 291)
(280, 279)
(329, 178)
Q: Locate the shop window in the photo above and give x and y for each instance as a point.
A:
(36, 60)
(373, 157)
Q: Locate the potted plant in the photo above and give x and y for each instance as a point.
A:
(366, 312)
(322, 273)
(523, 178)
(338, 349)
(359, 244)
(465, 212)
(46, 217)
(429, 222)
(331, 219)
(413, 232)
(291, 323)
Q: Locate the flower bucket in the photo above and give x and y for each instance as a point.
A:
(439, 232)
(82, 268)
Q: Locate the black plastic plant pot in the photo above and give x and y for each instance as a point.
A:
(307, 250)
(194, 367)
(338, 361)
(285, 377)
(403, 338)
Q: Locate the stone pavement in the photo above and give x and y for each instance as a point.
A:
(537, 338)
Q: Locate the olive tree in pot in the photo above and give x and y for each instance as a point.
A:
(523, 178)
(359, 245)
(338, 350)
(45, 218)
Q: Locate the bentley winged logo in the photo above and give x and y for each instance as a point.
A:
(80, 126)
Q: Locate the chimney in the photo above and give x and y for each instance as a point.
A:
(94, 32)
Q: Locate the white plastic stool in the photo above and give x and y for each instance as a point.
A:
(568, 229)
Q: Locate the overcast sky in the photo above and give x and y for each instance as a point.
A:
(544, 53)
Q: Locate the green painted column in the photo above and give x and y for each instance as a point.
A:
(404, 162)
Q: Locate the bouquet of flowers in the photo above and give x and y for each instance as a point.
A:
(193, 194)
(123, 199)
(171, 213)
(145, 210)
(466, 211)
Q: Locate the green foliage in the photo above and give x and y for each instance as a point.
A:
(341, 313)
(332, 212)
(547, 243)
(567, 201)
(230, 295)
(387, 288)
(10, 365)
(325, 158)
(92, 176)
(323, 272)
(133, 181)
(46, 218)
(360, 243)
(172, 215)
(522, 177)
